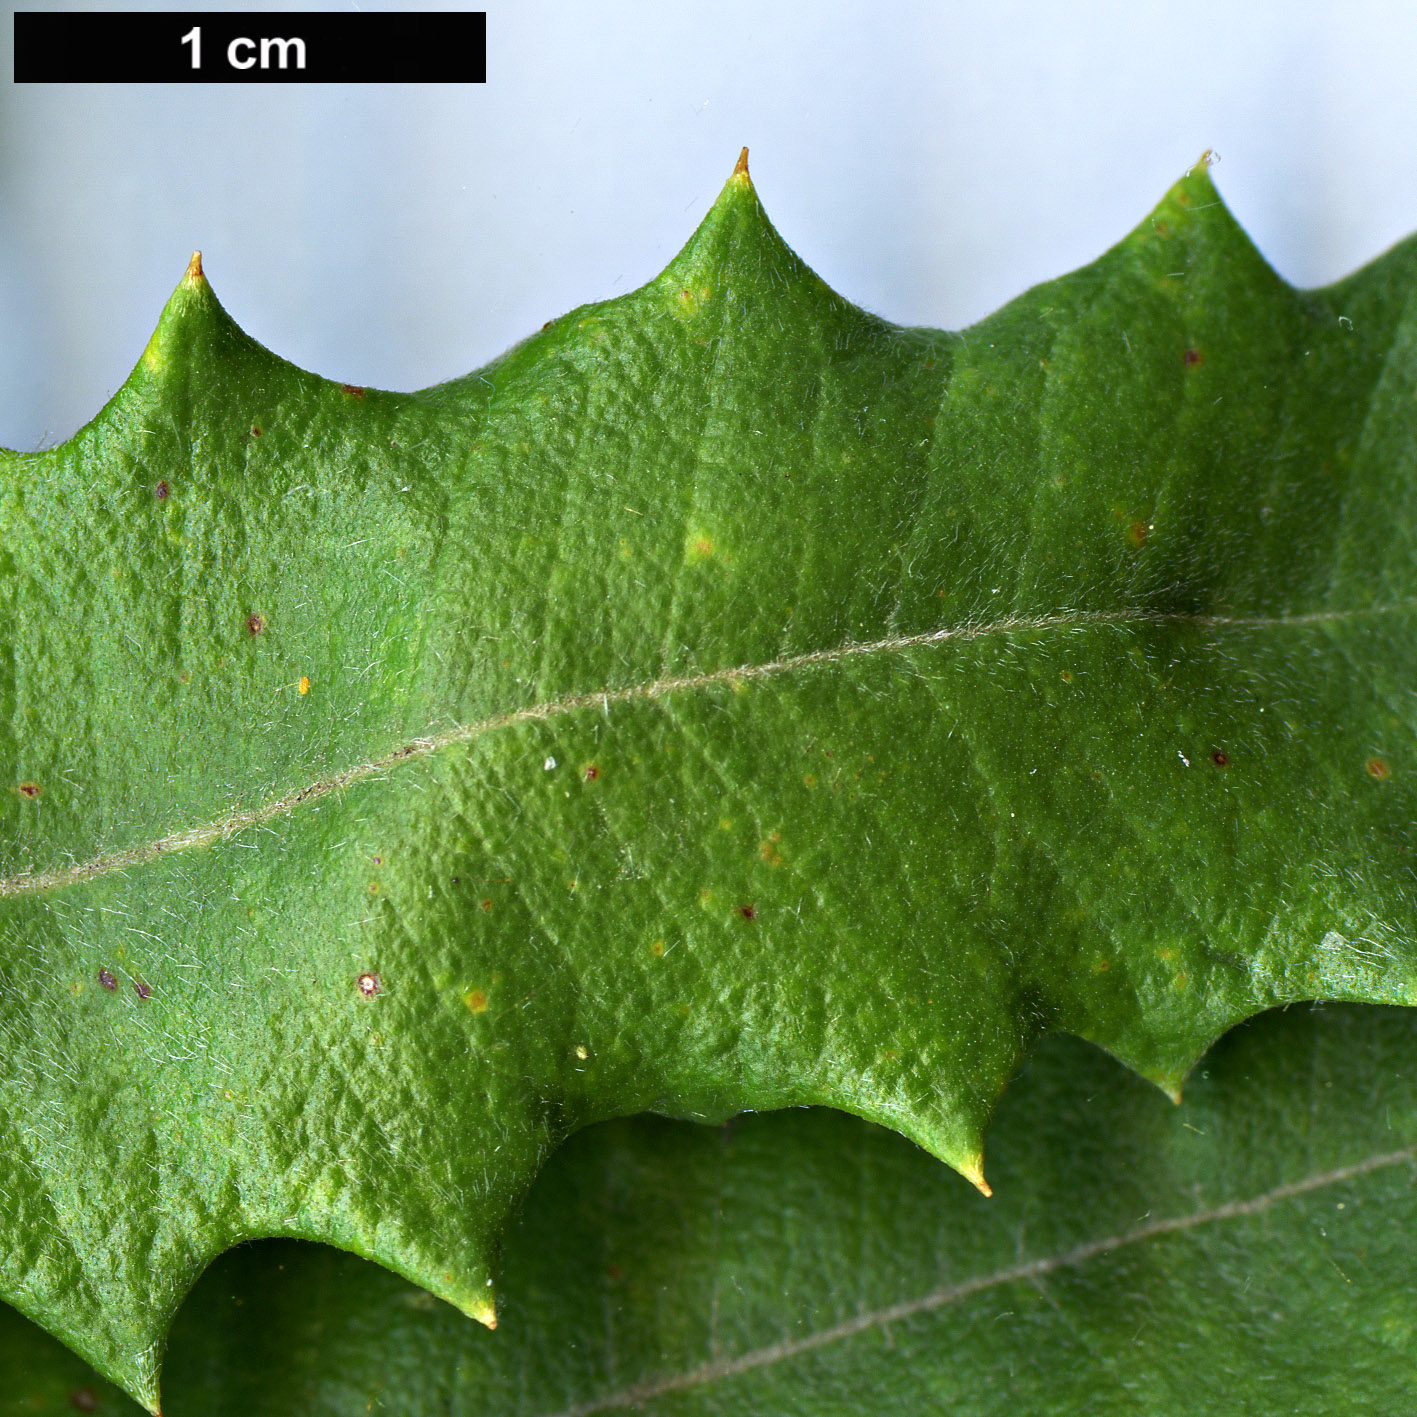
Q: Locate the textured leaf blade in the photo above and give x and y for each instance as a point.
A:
(725, 701)
(1248, 1251)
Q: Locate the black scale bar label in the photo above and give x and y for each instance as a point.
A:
(324, 47)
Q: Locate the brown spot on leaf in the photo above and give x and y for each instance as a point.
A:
(353, 390)
(1138, 532)
(255, 624)
(105, 977)
(748, 912)
(162, 491)
(255, 430)
(143, 991)
(592, 772)
(29, 790)
(487, 905)
(369, 984)
(1377, 768)
(1221, 760)
(1194, 358)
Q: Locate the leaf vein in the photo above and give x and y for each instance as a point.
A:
(242, 819)
(1028, 1270)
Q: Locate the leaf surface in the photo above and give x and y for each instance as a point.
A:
(1248, 1252)
(725, 701)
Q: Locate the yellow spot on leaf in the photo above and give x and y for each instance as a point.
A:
(304, 684)
(476, 1000)
(153, 357)
(687, 303)
(657, 949)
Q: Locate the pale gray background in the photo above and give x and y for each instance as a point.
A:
(930, 160)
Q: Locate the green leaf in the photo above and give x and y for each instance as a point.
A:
(1247, 1252)
(725, 701)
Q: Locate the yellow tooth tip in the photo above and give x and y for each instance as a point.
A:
(973, 1172)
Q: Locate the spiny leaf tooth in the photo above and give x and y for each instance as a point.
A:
(972, 1170)
(192, 296)
(1193, 217)
(736, 230)
(457, 1268)
(1169, 1071)
(959, 1144)
(474, 1294)
(123, 1344)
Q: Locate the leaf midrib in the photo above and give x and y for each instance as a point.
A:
(724, 1368)
(104, 864)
